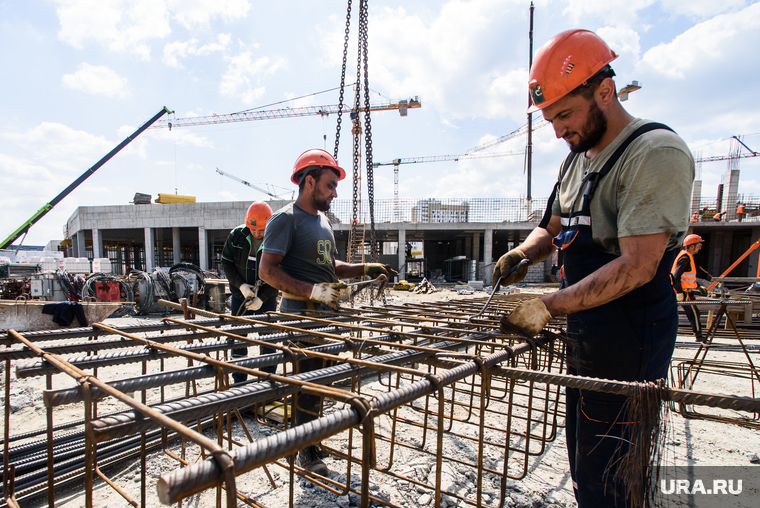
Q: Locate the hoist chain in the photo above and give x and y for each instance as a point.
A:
(364, 36)
(342, 80)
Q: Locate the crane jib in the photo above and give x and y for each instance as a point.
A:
(49, 206)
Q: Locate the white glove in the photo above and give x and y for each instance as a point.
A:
(247, 291)
(327, 293)
(254, 304)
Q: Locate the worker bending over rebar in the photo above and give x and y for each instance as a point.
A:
(619, 212)
(240, 258)
(300, 260)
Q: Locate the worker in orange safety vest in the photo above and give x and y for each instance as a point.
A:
(740, 211)
(685, 284)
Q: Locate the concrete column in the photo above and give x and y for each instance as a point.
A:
(730, 191)
(175, 245)
(401, 254)
(97, 244)
(80, 249)
(149, 250)
(476, 254)
(488, 253)
(202, 248)
(753, 258)
(696, 196)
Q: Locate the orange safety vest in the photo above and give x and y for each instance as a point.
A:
(740, 209)
(688, 279)
(695, 217)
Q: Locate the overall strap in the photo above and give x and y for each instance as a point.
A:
(594, 180)
(548, 212)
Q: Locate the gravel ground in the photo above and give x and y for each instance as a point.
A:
(546, 482)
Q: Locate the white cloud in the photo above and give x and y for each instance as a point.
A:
(242, 78)
(453, 58)
(612, 13)
(97, 80)
(701, 9)
(198, 13)
(706, 44)
(623, 41)
(61, 147)
(120, 25)
(175, 51)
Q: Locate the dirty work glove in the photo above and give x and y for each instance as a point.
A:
(531, 315)
(680, 297)
(254, 304)
(375, 269)
(247, 291)
(702, 290)
(327, 293)
(505, 265)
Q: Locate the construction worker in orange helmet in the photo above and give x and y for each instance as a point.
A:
(241, 256)
(616, 265)
(685, 283)
(300, 259)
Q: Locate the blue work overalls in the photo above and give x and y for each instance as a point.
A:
(628, 339)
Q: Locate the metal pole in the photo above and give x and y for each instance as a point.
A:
(530, 115)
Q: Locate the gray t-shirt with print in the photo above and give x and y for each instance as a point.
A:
(305, 242)
(647, 191)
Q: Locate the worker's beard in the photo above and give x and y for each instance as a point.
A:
(593, 130)
(322, 204)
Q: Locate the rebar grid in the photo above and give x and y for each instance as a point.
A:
(414, 380)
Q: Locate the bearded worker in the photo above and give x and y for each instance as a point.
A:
(300, 259)
(618, 212)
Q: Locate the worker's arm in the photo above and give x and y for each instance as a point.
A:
(683, 265)
(538, 246)
(345, 270)
(228, 264)
(271, 273)
(639, 258)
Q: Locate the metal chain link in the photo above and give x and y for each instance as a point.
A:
(342, 80)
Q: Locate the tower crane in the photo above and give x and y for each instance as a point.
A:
(240, 180)
(269, 114)
(437, 158)
(714, 158)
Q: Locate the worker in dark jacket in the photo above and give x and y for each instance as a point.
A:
(240, 259)
(685, 281)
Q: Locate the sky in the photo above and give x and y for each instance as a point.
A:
(79, 76)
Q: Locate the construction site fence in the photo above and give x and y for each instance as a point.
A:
(442, 210)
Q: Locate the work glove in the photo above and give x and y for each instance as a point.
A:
(247, 291)
(254, 304)
(702, 290)
(531, 315)
(680, 297)
(327, 293)
(375, 269)
(505, 265)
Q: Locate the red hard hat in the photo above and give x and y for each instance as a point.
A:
(315, 157)
(257, 216)
(691, 240)
(564, 63)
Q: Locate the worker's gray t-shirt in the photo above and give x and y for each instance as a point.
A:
(647, 191)
(305, 242)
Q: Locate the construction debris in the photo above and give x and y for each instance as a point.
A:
(424, 287)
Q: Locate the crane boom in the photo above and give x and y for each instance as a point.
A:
(246, 116)
(513, 134)
(24, 228)
(240, 180)
(446, 158)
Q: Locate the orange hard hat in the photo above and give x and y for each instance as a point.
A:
(691, 240)
(564, 63)
(315, 157)
(257, 216)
